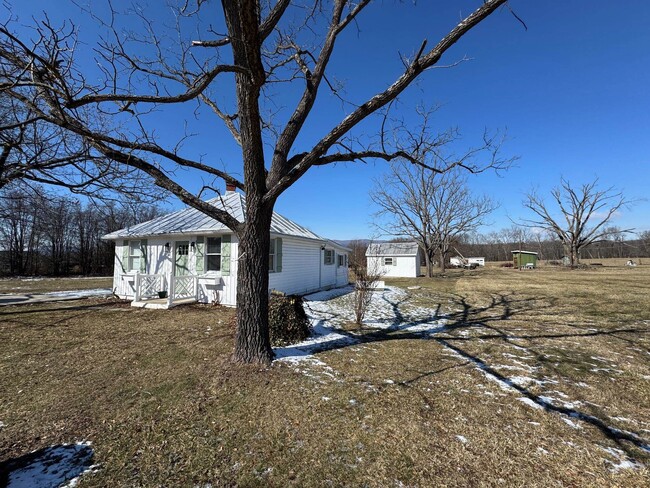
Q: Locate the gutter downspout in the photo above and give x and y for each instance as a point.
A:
(321, 248)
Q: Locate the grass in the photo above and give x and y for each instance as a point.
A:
(44, 285)
(157, 395)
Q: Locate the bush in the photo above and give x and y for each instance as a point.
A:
(507, 265)
(288, 322)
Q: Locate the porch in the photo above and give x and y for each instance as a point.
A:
(164, 291)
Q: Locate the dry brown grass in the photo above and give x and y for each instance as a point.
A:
(44, 285)
(157, 395)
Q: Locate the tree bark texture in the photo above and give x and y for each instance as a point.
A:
(252, 344)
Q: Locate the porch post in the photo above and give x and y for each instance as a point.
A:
(136, 294)
(170, 294)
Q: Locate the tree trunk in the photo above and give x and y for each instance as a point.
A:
(428, 263)
(443, 265)
(572, 252)
(252, 343)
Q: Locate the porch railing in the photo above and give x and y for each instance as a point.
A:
(177, 287)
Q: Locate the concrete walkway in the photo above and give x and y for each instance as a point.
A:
(55, 296)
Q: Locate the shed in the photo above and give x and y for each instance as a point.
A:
(394, 259)
(521, 259)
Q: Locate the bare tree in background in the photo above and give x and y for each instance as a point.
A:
(431, 208)
(266, 47)
(577, 216)
(358, 254)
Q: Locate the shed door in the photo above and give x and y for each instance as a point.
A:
(182, 258)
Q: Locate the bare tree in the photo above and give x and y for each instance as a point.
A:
(262, 52)
(366, 278)
(578, 217)
(35, 151)
(433, 209)
(358, 254)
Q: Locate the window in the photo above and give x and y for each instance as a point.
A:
(213, 254)
(329, 256)
(182, 249)
(272, 257)
(343, 260)
(135, 254)
(389, 262)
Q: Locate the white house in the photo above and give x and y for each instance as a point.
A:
(189, 257)
(394, 259)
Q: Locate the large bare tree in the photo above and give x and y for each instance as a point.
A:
(244, 52)
(34, 151)
(434, 209)
(576, 216)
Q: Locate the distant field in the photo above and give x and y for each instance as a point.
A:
(610, 262)
(535, 378)
(44, 285)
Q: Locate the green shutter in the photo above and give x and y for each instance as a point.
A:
(143, 255)
(125, 256)
(200, 259)
(225, 255)
(278, 254)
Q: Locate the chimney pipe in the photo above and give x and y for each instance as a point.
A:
(230, 187)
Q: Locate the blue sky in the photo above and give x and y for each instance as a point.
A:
(572, 91)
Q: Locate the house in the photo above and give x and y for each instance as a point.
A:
(394, 259)
(524, 259)
(186, 256)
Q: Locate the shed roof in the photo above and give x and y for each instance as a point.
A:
(524, 252)
(193, 221)
(393, 249)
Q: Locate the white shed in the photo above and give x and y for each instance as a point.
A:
(394, 259)
(187, 256)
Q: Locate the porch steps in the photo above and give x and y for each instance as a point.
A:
(162, 303)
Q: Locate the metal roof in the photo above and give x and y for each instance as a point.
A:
(393, 249)
(193, 221)
(523, 252)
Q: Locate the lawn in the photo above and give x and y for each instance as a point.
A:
(475, 378)
(45, 285)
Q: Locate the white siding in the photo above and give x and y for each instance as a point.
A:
(300, 263)
(403, 267)
(342, 275)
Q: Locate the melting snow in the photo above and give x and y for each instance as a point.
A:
(624, 462)
(329, 309)
(60, 465)
(95, 292)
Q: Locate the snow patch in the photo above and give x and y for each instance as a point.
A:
(461, 439)
(95, 292)
(622, 460)
(59, 465)
(530, 403)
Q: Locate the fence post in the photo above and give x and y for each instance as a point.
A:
(136, 294)
(170, 295)
(196, 288)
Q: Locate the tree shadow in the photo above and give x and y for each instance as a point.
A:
(500, 308)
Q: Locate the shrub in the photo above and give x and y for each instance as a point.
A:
(507, 265)
(288, 322)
